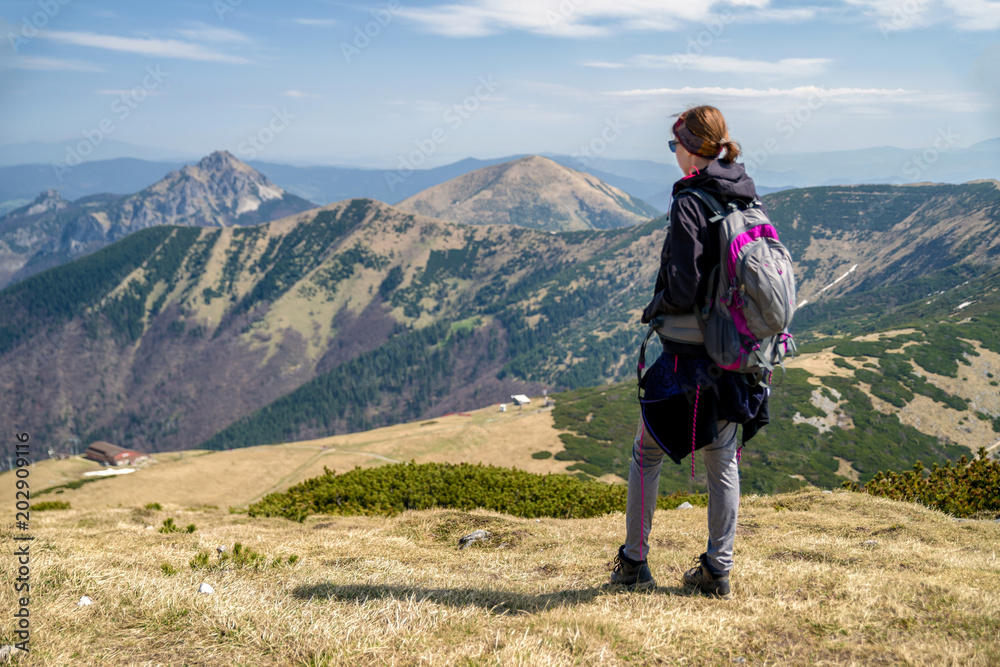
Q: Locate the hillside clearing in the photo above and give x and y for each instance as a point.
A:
(240, 476)
(837, 578)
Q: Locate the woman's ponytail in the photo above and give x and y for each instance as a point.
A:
(732, 151)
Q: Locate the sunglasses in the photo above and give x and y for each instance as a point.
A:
(673, 145)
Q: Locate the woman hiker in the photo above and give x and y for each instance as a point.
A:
(700, 406)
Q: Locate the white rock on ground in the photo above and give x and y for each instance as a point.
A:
(472, 537)
(8, 651)
(685, 506)
(84, 602)
(206, 589)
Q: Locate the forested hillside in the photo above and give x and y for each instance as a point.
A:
(161, 340)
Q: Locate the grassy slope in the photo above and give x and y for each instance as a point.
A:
(820, 579)
(238, 477)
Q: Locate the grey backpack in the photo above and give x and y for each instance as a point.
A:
(751, 293)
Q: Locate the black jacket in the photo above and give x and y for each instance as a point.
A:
(690, 251)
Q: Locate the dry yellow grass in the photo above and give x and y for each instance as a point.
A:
(821, 579)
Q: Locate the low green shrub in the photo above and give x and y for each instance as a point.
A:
(170, 527)
(70, 486)
(46, 505)
(964, 489)
(391, 489)
(239, 558)
(840, 362)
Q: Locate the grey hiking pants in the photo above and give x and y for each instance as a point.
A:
(723, 483)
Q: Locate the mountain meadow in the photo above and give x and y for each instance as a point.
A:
(821, 578)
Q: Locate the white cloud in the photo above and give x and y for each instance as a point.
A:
(975, 14)
(299, 94)
(584, 18)
(596, 18)
(725, 64)
(799, 91)
(893, 15)
(322, 23)
(766, 15)
(865, 98)
(164, 48)
(604, 65)
(56, 64)
(206, 33)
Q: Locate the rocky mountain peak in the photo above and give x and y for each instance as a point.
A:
(49, 200)
(219, 160)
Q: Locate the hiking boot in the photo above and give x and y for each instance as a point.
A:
(630, 573)
(705, 582)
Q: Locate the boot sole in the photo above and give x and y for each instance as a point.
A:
(711, 594)
(637, 586)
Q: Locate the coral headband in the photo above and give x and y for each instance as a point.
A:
(693, 143)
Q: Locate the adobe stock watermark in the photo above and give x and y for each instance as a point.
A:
(715, 25)
(597, 146)
(363, 35)
(255, 143)
(47, 10)
(454, 117)
(786, 126)
(902, 16)
(223, 7)
(121, 108)
(565, 10)
(918, 165)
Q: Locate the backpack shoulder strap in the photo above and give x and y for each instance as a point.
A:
(713, 204)
(640, 376)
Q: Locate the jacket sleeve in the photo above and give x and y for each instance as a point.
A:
(681, 261)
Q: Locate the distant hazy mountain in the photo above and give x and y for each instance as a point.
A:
(937, 162)
(532, 192)
(646, 179)
(220, 191)
(40, 152)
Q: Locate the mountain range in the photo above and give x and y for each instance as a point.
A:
(221, 191)
(360, 314)
(22, 177)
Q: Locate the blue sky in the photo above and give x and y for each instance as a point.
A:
(432, 82)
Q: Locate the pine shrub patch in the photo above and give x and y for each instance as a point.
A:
(964, 489)
(391, 489)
